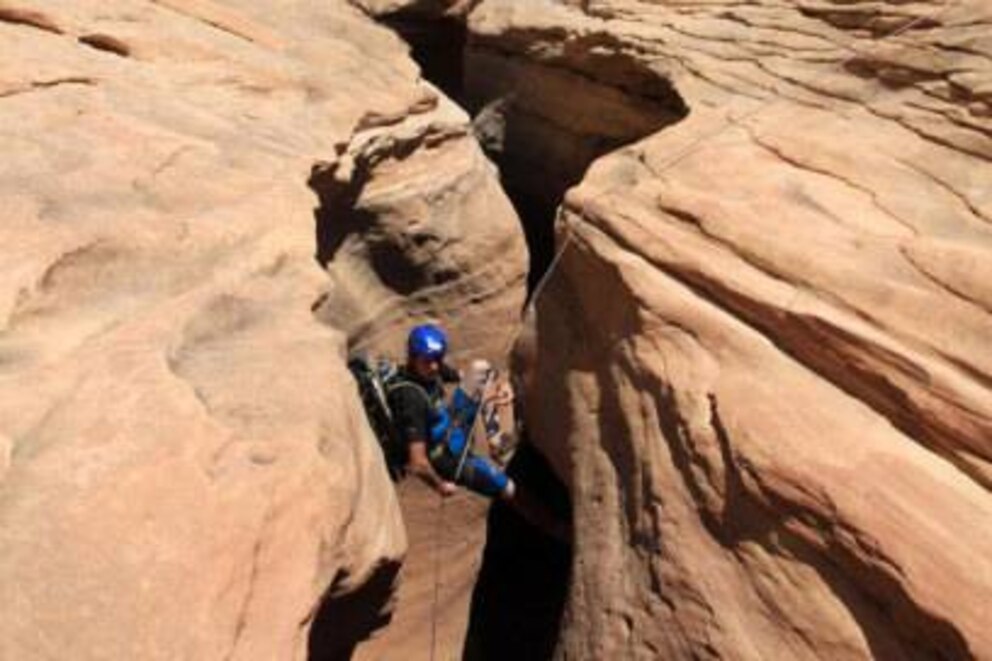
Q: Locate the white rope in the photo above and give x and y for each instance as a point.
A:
(437, 576)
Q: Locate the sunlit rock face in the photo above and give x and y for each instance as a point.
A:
(414, 222)
(185, 468)
(764, 364)
(414, 226)
(761, 369)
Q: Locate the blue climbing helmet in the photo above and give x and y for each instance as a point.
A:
(427, 341)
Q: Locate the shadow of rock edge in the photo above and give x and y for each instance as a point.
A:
(520, 592)
(346, 619)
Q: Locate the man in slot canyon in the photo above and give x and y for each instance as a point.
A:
(437, 437)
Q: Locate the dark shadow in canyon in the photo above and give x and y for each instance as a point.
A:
(336, 215)
(437, 44)
(345, 620)
(523, 582)
(540, 155)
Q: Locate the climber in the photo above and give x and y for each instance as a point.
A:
(438, 438)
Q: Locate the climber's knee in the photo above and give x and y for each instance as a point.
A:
(483, 478)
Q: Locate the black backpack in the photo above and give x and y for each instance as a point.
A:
(373, 378)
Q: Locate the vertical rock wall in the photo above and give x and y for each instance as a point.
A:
(413, 225)
(763, 362)
(184, 468)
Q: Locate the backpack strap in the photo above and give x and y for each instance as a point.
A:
(398, 383)
(372, 390)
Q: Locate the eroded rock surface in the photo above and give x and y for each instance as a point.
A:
(440, 568)
(426, 8)
(764, 360)
(414, 226)
(185, 469)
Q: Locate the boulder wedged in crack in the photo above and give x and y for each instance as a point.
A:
(763, 362)
(413, 225)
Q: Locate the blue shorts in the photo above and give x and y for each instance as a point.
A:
(477, 474)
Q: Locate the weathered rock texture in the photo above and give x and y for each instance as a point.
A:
(185, 468)
(427, 8)
(439, 570)
(413, 225)
(764, 362)
(547, 106)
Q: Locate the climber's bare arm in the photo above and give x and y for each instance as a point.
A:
(420, 466)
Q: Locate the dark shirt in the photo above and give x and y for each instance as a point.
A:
(411, 409)
(449, 374)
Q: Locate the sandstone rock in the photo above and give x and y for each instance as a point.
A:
(425, 8)
(185, 468)
(440, 568)
(414, 226)
(553, 91)
(764, 360)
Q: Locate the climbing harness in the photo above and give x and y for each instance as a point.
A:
(463, 455)
(470, 433)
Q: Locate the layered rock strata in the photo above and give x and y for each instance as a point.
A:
(413, 225)
(186, 472)
(550, 97)
(440, 568)
(763, 362)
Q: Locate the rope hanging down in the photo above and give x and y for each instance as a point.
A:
(437, 576)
